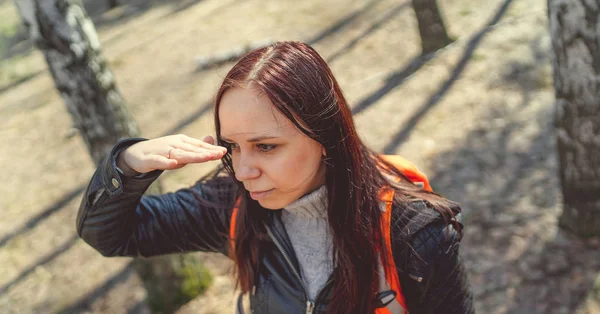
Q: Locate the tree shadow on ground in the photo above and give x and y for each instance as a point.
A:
(333, 29)
(42, 261)
(504, 173)
(44, 214)
(393, 82)
(377, 24)
(84, 303)
(20, 81)
(183, 5)
(342, 23)
(104, 16)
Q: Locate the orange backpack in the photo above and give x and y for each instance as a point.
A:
(410, 171)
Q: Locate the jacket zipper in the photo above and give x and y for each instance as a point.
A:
(310, 305)
(415, 277)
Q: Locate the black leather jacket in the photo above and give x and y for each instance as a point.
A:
(117, 220)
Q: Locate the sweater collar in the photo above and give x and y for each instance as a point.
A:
(312, 205)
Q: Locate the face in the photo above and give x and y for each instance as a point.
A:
(275, 161)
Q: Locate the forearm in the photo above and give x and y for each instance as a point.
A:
(106, 218)
(118, 220)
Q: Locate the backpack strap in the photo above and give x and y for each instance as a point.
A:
(387, 258)
(232, 225)
(408, 169)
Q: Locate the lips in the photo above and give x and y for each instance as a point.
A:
(256, 195)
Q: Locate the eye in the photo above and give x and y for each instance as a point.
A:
(266, 147)
(230, 146)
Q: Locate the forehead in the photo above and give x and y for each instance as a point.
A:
(245, 112)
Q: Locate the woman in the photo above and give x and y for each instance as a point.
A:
(299, 208)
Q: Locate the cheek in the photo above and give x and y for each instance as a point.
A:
(281, 170)
(294, 169)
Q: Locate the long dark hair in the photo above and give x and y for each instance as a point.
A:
(302, 87)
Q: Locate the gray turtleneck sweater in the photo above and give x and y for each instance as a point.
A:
(306, 224)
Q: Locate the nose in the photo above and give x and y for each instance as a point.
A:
(245, 168)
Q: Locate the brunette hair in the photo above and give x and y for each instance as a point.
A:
(302, 87)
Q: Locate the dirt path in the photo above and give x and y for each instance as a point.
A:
(476, 118)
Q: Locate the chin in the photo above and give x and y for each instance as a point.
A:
(272, 205)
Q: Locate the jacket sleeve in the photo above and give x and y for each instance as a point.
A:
(434, 279)
(116, 218)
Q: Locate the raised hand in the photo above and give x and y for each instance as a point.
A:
(167, 153)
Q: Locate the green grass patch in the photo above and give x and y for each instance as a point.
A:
(9, 30)
(196, 279)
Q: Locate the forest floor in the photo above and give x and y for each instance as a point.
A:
(476, 117)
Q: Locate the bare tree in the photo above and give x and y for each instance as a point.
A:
(431, 26)
(574, 28)
(66, 36)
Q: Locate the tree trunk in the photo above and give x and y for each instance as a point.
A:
(66, 36)
(574, 28)
(431, 26)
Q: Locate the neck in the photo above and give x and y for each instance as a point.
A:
(311, 205)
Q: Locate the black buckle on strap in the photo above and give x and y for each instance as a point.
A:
(383, 298)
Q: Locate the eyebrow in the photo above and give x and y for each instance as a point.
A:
(252, 140)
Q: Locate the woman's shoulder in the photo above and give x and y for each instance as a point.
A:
(419, 228)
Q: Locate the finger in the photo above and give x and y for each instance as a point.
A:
(161, 162)
(205, 147)
(192, 157)
(178, 166)
(189, 147)
(199, 143)
(193, 141)
(199, 153)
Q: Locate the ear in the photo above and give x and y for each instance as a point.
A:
(323, 152)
